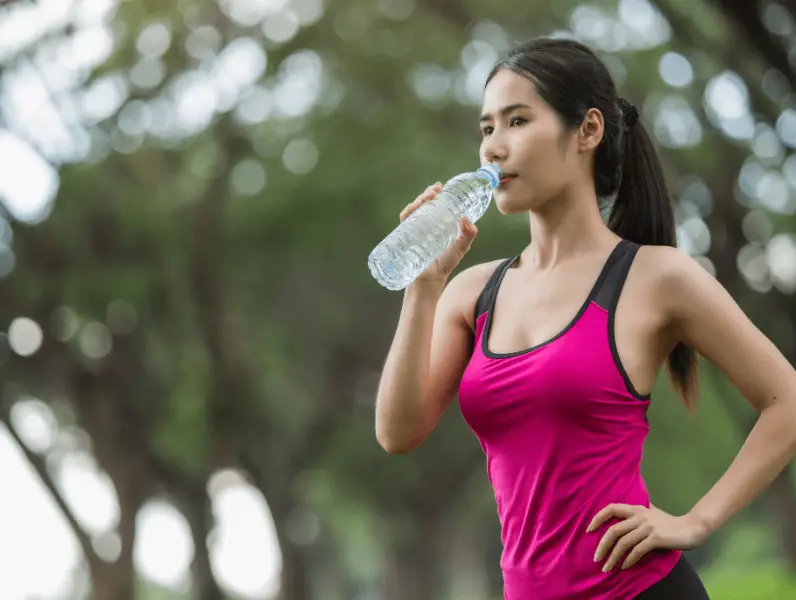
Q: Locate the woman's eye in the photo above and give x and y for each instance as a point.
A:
(514, 122)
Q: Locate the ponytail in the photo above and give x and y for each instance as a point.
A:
(643, 213)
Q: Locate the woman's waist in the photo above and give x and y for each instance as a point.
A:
(548, 551)
(567, 577)
(548, 515)
(558, 474)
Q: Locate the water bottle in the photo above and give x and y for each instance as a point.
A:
(430, 230)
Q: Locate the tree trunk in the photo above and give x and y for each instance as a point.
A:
(782, 497)
(417, 561)
(195, 505)
(295, 579)
(113, 581)
(116, 581)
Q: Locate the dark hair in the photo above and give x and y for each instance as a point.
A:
(571, 79)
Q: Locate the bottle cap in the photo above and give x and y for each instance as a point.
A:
(493, 172)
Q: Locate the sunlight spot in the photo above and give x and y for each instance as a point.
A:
(35, 423)
(89, 492)
(28, 183)
(248, 177)
(25, 336)
(164, 547)
(65, 324)
(781, 252)
(29, 516)
(431, 83)
(300, 156)
(753, 265)
(676, 70)
(95, 340)
(244, 551)
(281, 27)
(154, 40)
(397, 10)
(309, 12)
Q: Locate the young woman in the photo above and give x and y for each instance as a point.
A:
(554, 351)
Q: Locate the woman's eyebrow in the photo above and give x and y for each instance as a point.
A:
(503, 111)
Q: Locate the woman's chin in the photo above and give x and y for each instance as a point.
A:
(508, 206)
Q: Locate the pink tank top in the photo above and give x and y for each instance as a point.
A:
(563, 431)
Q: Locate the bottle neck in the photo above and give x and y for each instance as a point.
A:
(493, 174)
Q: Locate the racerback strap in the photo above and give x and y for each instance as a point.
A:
(490, 289)
(607, 295)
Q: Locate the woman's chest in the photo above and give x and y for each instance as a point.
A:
(571, 379)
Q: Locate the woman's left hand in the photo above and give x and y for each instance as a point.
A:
(642, 530)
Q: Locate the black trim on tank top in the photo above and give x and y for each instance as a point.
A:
(608, 298)
(612, 257)
(485, 297)
(613, 280)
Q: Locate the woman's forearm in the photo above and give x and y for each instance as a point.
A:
(768, 449)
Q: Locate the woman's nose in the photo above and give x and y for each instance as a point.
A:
(494, 151)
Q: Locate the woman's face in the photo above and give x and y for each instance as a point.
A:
(521, 133)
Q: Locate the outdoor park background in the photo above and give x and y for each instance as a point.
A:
(191, 339)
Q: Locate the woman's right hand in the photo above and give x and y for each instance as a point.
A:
(443, 266)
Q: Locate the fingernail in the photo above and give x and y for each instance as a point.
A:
(605, 569)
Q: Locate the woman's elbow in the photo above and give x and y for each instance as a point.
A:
(396, 444)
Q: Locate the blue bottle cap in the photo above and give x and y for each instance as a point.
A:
(493, 172)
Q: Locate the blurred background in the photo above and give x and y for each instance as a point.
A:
(191, 340)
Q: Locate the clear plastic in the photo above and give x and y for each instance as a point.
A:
(425, 234)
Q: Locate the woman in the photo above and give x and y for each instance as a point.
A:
(554, 351)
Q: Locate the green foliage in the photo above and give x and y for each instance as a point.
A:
(259, 333)
(761, 583)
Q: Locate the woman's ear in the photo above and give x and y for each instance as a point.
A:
(591, 130)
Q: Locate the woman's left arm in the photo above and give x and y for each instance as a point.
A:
(704, 316)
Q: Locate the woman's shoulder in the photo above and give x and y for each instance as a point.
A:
(670, 271)
(474, 278)
(467, 285)
(666, 262)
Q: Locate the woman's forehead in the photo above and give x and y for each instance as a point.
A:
(508, 88)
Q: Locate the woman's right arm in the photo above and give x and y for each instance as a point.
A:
(431, 348)
(431, 345)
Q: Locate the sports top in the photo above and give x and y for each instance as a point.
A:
(563, 431)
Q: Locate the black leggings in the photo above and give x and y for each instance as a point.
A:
(682, 583)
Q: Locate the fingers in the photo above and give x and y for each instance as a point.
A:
(428, 194)
(648, 545)
(468, 232)
(614, 533)
(462, 244)
(619, 511)
(626, 543)
(453, 256)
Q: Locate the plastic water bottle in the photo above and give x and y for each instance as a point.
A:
(430, 230)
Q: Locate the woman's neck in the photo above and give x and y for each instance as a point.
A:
(568, 226)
